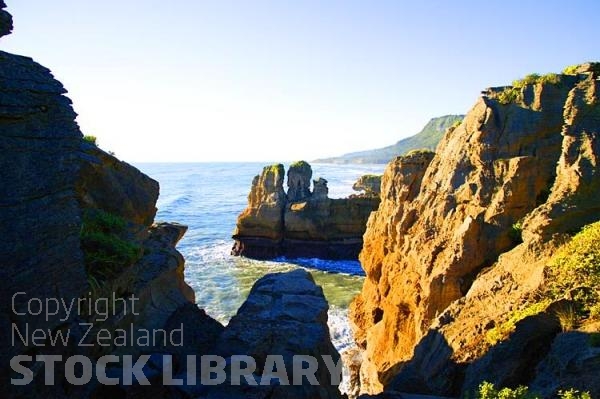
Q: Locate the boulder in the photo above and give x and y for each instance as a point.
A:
(286, 315)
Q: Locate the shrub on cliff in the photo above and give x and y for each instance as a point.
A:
(575, 271)
(487, 390)
(513, 93)
(571, 70)
(105, 245)
(503, 330)
(90, 139)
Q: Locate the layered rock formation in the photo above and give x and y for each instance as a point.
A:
(462, 237)
(288, 313)
(77, 223)
(39, 213)
(301, 223)
(369, 184)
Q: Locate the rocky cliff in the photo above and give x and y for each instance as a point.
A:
(301, 223)
(462, 238)
(78, 229)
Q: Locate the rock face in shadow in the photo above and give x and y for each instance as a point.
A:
(285, 315)
(572, 362)
(39, 213)
(462, 238)
(300, 223)
(58, 192)
(114, 186)
(6, 24)
(51, 177)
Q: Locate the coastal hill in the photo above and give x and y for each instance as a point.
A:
(483, 260)
(428, 138)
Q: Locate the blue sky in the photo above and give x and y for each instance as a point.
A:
(286, 80)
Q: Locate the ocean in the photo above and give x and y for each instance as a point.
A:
(207, 197)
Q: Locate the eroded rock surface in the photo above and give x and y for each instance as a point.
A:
(462, 238)
(301, 223)
(370, 185)
(285, 315)
(39, 213)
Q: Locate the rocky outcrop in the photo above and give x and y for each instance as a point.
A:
(6, 24)
(260, 226)
(370, 185)
(107, 183)
(461, 238)
(301, 223)
(285, 315)
(51, 177)
(39, 213)
(298, 181)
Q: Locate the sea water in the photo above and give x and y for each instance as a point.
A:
(207, 197)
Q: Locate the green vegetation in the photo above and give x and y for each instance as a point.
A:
(509, 95)
(456, 123)
(419, 151)
(571, 70)
(568, 317)
(428, 138)
(90, 139)
(106, 247)
(516, 232)
(575, 272)
(574, 394)
(275, 168)
(514, 92)
(487, 390)
(299, 165)
(502, 331)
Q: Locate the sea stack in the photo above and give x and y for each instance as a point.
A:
(301, 223)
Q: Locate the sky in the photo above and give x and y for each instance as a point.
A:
(204, 81)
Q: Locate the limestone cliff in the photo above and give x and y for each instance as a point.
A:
(462, 237)
(301, 223)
